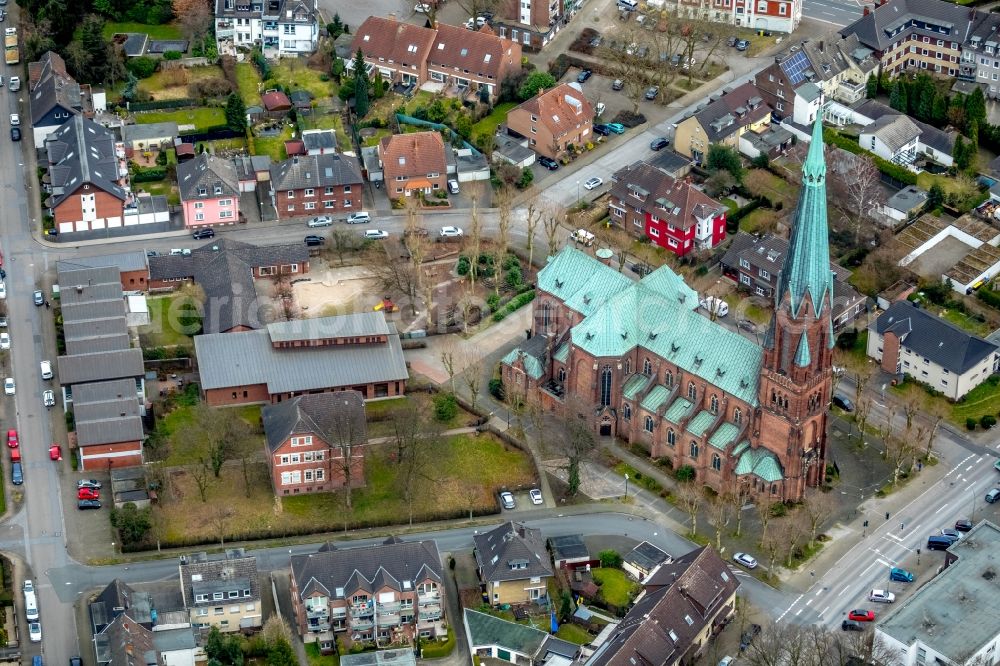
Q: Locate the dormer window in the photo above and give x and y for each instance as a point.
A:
(202, 191)
(218, 190)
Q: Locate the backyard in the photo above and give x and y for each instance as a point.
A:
(201, 118)
(168, 31)
(488, 125)
(164, 187)
(166, 327)
(274, 145)
(174, 83)
(328, 121)
(617, 589)
(295, 75)
(248, 81)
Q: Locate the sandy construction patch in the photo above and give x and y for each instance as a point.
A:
(336, 291)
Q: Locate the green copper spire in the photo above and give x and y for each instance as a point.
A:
(802, 356)
(807, 269)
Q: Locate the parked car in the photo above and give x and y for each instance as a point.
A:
(12, 439)
(548, 163)
(881, 596)
(15, 83)
(15, 133)
(88, 493)
(583, 76)
(15, 120)
(5, 341)
(843, 402)
(617, 128)
(323, 221)
(963, 525)
(742, 45)
(507, 500)
(453, 187)
(48, 398)
(652, 92)
(993, 495)
(375, 234)
(951, 533)
(602, 129)
(37, 297)
(593, 183)
(745, 560)
(88, 504)
(732, 41)
(451, 232)
(313, 241)
(88, 483)
(747, 638)
(900, 575)
(659, 143)
(3, 322)
(536, 496)
(617, 84)
(9, 387)
(35, 632)
(861, 615)
(851, 625)
(203, 234)
(3, 290)
(16, 473)
(422, 8)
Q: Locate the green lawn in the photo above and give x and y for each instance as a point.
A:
(293, 74)
(488, 125)
(760, 220)
(274, 145)
(329, 121)
(420, 98)
(379, 134)
(574, 633)
(165, 31)
(982, 400)
(616, 587)
(164, 329)
(167, 189)
(249, 83)
(182, 450)
(731, 205)
(970, 324)
(316, 659)
(201, 118)
(468, 471)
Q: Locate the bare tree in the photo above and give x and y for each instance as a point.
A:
(934, 413)
(897, 450)
(474, 242)
(195, 17)
(856, 185)
(200, 474)
(719, 511)
(393, 273)
(343, 242)
(739, 497)
(764, 505)
(415, 433)
(690, 499)
(787, 643)
(448, 361)
(532, 217)
(791, 532)
(772, 542)
(348, 437)
(551, 218)
(625, 65)
(816, 508)
(568, 436)
(472, 360)
(504, 200)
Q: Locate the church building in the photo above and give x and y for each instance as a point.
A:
(637, 360)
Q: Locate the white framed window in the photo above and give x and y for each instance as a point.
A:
(310, 205)
(198, 205)
(217, 596)
(310, 192)
(225, 202)
(218, 610)
(320, 474)
(199, 217)
(302, 440)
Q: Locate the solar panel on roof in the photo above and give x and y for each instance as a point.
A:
(795, 67)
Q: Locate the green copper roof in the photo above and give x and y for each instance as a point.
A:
(761, 462)
(562, 354)
(724, 435)
(635, 385)
(740, 448)
(581, 281)
(807, 269)
(532, 367)
(699, 424)
(678, 410)
(655, 398)
(802, 356)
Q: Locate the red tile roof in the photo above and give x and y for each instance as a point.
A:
(562, 109)
(416, 154)
(669, 200)
(461, 51)
(275, 101)
(401, 45)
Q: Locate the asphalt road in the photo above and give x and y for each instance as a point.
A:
(836, 12)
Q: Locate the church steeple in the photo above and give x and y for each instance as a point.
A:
(807, 269)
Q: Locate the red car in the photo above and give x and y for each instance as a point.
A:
(861, 615)
(88, 493)
(12, 438)
(55, 452)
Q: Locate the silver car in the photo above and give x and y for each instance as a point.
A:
(320, 221)
(507, 500)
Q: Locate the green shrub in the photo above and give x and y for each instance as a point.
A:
(172, 55)
(610, 559)
(438, 649)
(970, 423)
(149, 174)
(514, 277)
(510, 261)
(143, 66)
(513, 304)
(496, 388)
(463, 266)
(493, 300)
(987, 421)
(445, 407)
(685, 473)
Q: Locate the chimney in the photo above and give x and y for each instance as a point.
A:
(867, 11)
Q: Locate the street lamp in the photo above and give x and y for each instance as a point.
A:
(626, 486)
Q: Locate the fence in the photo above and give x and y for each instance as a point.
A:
(410, 120)
(162, 104)
(184, 62)
(212, 134)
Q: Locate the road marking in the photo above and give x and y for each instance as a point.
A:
(979, 459)
(940, 509)
(841, 593)
(883, 563)
(819, 591)
(970, 467)
(808, 601)
(797, 612)
(823, 612)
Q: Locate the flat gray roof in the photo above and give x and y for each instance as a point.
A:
(322, 328)
(123, 261)
(100, 366)
(957, 612)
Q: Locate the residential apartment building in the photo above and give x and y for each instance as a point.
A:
(414, 163)
(322, 184)
(553, 120)
(683, 605)
(773, 15)
(916, 34)
(754, 263)
(388, 593)
(513, 564)
(531, 23)
(222, 593)
(315, 442)
(55, 96)
(279, 27)
(210, 191)
(465, 62)
(723, 121)
(908, 340)
(672, 213)
(947, 620)
(980, 62)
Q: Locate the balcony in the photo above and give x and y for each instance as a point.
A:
(318, 613)
(392, 607)
(362, 610)
(360, 624)
(389, 620)
(850, 92)
(429, 598)
(430, 616)
(318, 625)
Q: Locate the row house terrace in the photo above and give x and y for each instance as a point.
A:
(388, 593)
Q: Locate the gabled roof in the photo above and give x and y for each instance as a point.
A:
(147, 131)
(235, 571)
(335, 417)
(681, 599)
(207, 177)
(561, 109)
(532, 353)
(275, 101)
(403, 44)
(55, 92)
(934, 338)
(894, 131)
(338, 573)
(898, 19)
(49, 63)
(652, 191)
(82, 152)
(768, 252)
(646, 556)
(307, 171)
(486, 631)
(740, 107)
(479, 53)
(107, 413)
(416, 154)
(319, 139)
(512, 551)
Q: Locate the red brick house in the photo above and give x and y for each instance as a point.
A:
(553, 120)
(397, 51)
(309, 439)
(672, 213)
(316, 185)
(413, 163)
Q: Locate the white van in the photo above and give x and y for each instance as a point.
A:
(628, 5)
(30, 605)
(46, 370)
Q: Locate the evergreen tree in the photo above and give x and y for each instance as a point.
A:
(97, 69)
(361, 85)
(724, 158)
(871, 87)
(973, 133)
(961, 154)
(939, 110)
(975, 106)
(924, 99)
(336, 27)
(935, 197)
(131, 88)
(897, 99)
(236, 113)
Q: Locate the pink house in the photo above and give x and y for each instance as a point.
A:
(210, 193)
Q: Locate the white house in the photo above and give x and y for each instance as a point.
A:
(279, 27)
(808, 104)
